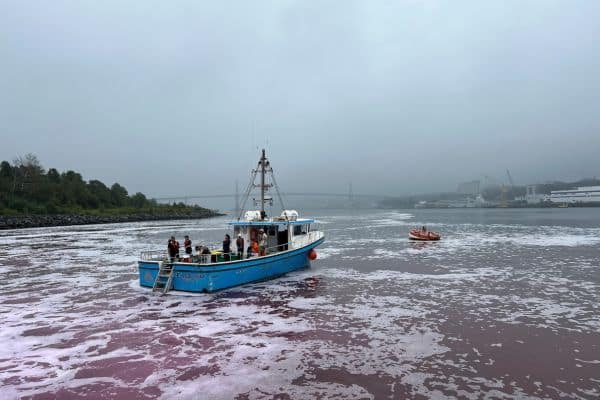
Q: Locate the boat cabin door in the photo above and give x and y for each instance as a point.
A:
(272, 235)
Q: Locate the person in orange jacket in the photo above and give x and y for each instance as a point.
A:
(255, 248)
(173, 247)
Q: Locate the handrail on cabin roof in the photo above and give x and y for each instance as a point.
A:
(271, 222)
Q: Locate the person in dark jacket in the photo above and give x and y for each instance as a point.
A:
(239, 242)
(227, 247)
(187, 243)
(173, 247)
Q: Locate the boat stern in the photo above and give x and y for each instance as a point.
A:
(147, 271)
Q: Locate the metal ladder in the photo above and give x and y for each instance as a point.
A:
(164, 278)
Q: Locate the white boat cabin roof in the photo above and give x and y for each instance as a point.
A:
(267, 222)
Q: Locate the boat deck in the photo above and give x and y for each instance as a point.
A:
(218, 257)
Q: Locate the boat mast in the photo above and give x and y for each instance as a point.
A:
(262, 185)
(264, 167)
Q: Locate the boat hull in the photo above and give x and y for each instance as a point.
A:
(212, 277)
(427, 237)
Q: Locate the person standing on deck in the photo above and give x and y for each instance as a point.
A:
(173, 247)
(227, 247)
(253, 249)
(187, 243)
(239, 242)
(262, 242)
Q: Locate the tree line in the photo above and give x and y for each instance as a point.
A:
(26, 187)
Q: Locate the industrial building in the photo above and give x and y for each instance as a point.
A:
(533, 197)
(583, 194)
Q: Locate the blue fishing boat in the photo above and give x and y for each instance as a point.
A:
(277, 245)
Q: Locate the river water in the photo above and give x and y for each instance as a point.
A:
(507, 305)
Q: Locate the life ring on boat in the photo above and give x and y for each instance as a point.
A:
(312, 255)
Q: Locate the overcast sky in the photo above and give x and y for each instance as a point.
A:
(172, 98)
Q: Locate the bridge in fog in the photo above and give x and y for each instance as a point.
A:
(233, 200)
(347, 199)
(348, 196)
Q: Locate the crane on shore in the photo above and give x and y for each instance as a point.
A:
(505, 189)
(510, 179)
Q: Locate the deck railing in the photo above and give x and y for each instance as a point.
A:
(153, 255)
(297, 242)
(304, 240)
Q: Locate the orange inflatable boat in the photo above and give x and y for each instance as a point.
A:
(418, 234)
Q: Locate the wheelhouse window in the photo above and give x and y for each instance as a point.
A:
(300, 230)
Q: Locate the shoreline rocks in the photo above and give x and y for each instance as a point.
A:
(37, 221)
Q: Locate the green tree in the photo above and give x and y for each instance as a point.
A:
(26, 188)
(72, 188)
(101, 192)
(6, 182)
(53, 176)
(138, 200)
(119, 195)
(30, 164)
(6, 171)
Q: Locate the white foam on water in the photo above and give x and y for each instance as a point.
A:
(371, 241)
(556, 240)
(549, 313)
(9, 393)
(327, 252)
(526, 236)
(386, 274)
(389, 222)
(588, 361)
(262, 339)
(309, 303)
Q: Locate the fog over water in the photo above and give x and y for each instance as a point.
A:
(397, 97)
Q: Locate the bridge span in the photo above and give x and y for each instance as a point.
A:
(350, 197)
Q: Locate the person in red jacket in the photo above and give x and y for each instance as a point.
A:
(255, 248)
(173, 247)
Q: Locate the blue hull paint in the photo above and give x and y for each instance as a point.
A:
(213, 277)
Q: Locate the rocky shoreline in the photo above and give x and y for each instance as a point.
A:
(35, 221)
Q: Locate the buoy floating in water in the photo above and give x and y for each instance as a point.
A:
(312, 255)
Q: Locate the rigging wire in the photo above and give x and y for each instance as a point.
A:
(277, 189)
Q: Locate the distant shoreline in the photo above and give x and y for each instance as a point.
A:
(39, 221)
